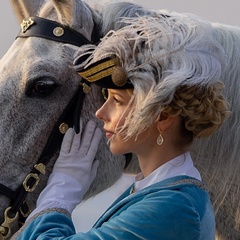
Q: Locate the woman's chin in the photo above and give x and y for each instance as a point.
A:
(116, 150)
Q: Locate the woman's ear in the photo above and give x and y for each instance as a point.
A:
(164, 121)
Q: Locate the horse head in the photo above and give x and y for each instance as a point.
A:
(38, 89)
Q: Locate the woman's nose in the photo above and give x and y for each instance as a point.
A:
(100, 113)
(97, 114)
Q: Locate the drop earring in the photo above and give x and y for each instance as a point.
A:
(160, 139)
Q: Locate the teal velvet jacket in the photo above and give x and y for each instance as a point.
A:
(177, 208)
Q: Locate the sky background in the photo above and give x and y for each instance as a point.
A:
(222, 11)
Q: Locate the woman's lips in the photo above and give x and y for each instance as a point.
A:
(108, 134)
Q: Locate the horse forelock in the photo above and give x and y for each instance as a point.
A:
(48, 11)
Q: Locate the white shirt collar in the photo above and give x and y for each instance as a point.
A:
(181, 165)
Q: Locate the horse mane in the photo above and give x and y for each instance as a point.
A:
(218, 157)
(229, 37)
(112, 14)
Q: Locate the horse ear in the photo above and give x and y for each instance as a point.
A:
(26, 8)
(76, 15)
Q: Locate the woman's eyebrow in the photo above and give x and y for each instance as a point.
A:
(113, 92)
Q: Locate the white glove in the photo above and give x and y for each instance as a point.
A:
(74, 170)
(77, 154)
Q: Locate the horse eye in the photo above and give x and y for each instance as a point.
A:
(41, 88)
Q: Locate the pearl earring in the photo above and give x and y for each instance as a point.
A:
(160, 139)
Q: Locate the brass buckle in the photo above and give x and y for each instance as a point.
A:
(25, 182)
(40, 167)
(86, 88)
(5, 228)
(25, 209)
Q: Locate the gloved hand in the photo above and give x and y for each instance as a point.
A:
(73, 171)
(77, 154)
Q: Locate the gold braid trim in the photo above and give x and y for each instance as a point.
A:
(59, 210)
(99, 71)
(97, 76)
(196, 182)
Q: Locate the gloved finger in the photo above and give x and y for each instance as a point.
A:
(87, 136)
(80, 125)
(93, 147)
(77, 139)
(67, 141)
(93, 173)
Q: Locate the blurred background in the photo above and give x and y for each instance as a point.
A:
(222, 11)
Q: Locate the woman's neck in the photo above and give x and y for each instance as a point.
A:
(149, 162)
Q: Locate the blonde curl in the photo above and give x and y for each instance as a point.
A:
(203, 109)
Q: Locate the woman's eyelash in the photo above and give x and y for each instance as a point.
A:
(105, 93)
(115, 99)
